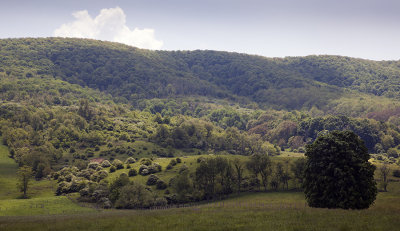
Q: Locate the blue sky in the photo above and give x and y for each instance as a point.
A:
(358, 28)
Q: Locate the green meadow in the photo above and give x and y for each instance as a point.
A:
(251, 211)
(247, 211)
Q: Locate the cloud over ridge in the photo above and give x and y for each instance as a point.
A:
(109, 25)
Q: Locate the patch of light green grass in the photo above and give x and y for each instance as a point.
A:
(40, 206)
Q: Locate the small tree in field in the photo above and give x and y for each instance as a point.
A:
(337, 172)
(384, 171)
(24, 176)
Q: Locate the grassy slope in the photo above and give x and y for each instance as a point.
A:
(43, 200)
(8, 172)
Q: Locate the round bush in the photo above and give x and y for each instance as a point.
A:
(105, 164)
(172, 162)
(118, 164)
(112, 169)
(161, 185)
(132, 172)
(130, 160)
(152, 180)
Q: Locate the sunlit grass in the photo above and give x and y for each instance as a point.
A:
(250, 211)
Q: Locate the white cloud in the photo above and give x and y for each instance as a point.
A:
(109, 25)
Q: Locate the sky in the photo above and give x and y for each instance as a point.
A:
(368, 29)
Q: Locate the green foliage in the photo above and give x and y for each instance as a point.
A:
(182, 186)
(116, 186)
(338, 174)
(160, 185)
(214, 177)
(298, 168)
(396, 173)
(152, 180)
(24, 176)
(260, 165)
(118, 164)
(133, 196)
(132, 172)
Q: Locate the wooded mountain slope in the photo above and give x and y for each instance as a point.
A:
(131, 73)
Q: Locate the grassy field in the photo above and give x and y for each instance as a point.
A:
(256, 211)
(247, 211)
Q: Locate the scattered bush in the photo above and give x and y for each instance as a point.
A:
(105, 164)
(112, 169)
(132, 172)
(172, 162)
(161, 185)
(93, 165)
(118, 164)
(152, 180)
(146, 161)
(200, 159)
(178, 160)
(98, 176)
(130, 160)
(392, 152)
(396, 173)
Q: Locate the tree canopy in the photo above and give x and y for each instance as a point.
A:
(337, 172)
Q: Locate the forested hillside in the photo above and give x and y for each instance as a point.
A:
(132, 74)
(66, 101)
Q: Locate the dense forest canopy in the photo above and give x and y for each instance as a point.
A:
(132, 73)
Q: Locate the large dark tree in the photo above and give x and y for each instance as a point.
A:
(338, 174)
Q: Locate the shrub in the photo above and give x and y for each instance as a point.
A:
(160, 201)
(130, 160)
(105, 164)
(105, 203)
(143, 170)
(132, 172)
(98, 176)
(183, 168)
(392, 152)
(93, 165)
(178, 160)
(200, 159)
(112, 169)
(128, 166)
(396, 173)
(161, 185)
(118, 164)
(172, 162)
(158, 167)
(169, 166)
(146, 161)
(134, 195)
(152, 180)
